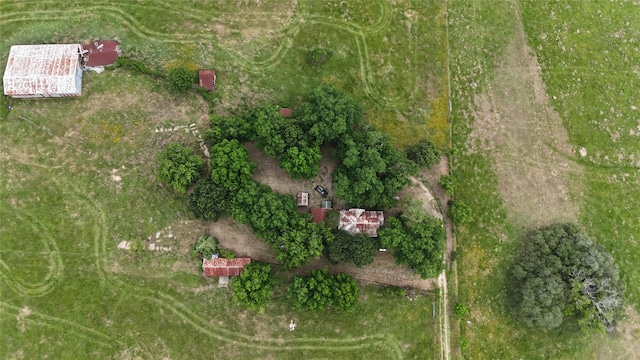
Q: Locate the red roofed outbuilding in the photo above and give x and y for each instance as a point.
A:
(224, 267)
(207, 79)
(356, 221)
(303, 199)
(100, 53)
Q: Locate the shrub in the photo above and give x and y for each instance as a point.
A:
(181, 79)
(448, 183)
(460, 213)
(179, 166)
(318, 56)
(424, 153)
(461, 310)
(206, 246)
(227, 254)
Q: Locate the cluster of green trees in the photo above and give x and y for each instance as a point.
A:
(319, 290)
(370, 169)
(417, 239)
(273, 217)
(563, 272)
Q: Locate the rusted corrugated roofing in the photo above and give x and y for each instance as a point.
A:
(355, 221)
(207, 79)
(285, 112)
(44, 70)
(100, 53)
(318, 214)
(224, 267)
(303, 199)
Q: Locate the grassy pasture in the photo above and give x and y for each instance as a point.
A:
(78, 175)
(529, 91)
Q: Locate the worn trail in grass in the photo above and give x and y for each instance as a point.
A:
(521, 167)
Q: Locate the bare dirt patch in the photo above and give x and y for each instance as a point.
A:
(515, 123)
(626, 343)
(270, 173)
(384, 270)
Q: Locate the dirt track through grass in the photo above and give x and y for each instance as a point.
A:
(514, 122)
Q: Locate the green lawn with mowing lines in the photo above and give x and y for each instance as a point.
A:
(66, 292)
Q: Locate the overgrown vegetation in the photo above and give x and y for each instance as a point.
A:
(319, 55)
(208, 200)
(206, 246)
(358, 249)
(417, 240)
(179, 166)
(181, 79)
(460, 213)
(424, 153)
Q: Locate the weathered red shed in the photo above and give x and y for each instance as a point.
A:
(224, 267)
(100, 53)
(207, 79)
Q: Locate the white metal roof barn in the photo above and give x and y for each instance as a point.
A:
(35, 71)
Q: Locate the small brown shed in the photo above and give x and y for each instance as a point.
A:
(207, 79)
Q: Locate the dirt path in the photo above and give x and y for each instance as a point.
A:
(445, 342)
(383, 270)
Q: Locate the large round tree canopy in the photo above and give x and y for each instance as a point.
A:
(563, 272)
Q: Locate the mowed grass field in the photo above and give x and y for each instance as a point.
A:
(546, 124)
(78, 175)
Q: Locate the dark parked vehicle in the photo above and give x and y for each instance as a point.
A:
(322, 191)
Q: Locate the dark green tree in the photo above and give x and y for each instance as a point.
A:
(208, 200)
(206, 246)
(303, 241)
(179, 166)
(328, 113)
(301, 162)
(370, 171)
(254, 286)
(229, 128)
(345, 292)
(359, 249)
(181, 79)
(424, 153)
(417, 240)
(563, 272)
(231, 166)
(313, 291)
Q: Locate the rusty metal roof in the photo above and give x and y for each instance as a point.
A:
(101, 53)
(355, 221)
(43, 70)
(224, 267)
(207, 79)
